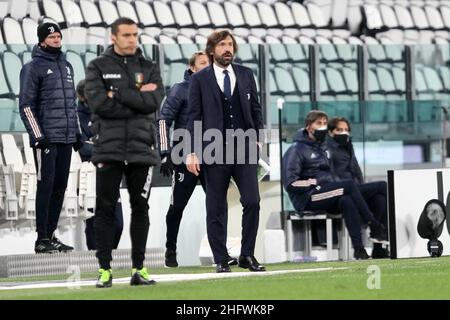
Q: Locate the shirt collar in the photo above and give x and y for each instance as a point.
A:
(219, 70)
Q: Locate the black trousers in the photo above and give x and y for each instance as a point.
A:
(343, 197)
(118, 228)
(52, 171)
(375, 194)
(138, 180)
(183, 185)
(217, 177)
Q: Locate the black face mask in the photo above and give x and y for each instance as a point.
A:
(53, 50)
(342, 139)
(320, 134)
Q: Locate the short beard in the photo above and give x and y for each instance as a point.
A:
(220, 60)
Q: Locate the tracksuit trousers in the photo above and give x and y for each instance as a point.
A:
(344, 197)
(52, 172)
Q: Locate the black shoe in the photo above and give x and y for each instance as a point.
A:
(361, 254)
(45, 246)
(141, 278)
(379, 252)
(250, 263)
(232, 261)
(378, 233)
(223, 267)
(170, 259)
(59, 245)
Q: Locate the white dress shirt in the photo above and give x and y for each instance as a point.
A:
(218, 72)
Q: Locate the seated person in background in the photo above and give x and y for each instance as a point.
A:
(308, 179)
(346, 167)
(84, 115)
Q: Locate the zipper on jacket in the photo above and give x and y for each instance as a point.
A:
(65, 100)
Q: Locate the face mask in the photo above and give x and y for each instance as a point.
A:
(342, 139)
(320, 134)
(53, 50)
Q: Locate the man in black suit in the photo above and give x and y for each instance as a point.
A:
(223, 98)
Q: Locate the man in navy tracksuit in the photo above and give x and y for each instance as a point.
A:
(48, 110)
(84, 114)
(174, 110)
(308, 178)
(346, 167)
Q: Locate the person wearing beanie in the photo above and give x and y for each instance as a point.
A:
(47, 105)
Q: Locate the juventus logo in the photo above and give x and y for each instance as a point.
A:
(181, 178)
(51, 29)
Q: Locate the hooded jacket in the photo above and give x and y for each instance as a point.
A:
(123, 127)
(174, 110)
(305, 159)
(47, 98)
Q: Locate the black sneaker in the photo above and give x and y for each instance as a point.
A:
(378, 233)
(361, 254)
(60, 246)
(170, 259)
(140, 277)
(379, 252)
(45, 246)
(232, 261)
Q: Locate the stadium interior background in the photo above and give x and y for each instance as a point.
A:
(385, 65)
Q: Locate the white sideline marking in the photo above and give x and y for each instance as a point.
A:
(162, 278)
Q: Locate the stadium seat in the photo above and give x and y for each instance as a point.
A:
(108, 11)
(27, 193)
(72, 13)
(70, 205)
(29, 27)
(13, 36)
(12, 63)
(125, 9)
(217, 14)
(51, 9)
(87, 193)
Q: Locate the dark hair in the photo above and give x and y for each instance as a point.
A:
(115, 25)
(333, 123)
(214, 38)
(194, 57)
(80, 89)
(313, 115)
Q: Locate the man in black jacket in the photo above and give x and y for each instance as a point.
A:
(123, 90)
(346, 167)
(84, 114)
(308, 178)
(48, 110)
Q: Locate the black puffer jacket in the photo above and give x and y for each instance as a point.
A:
(305, 159)
(124, 127)
(47, 98)
(345, 164)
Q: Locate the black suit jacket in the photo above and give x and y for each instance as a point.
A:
(205, 102)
